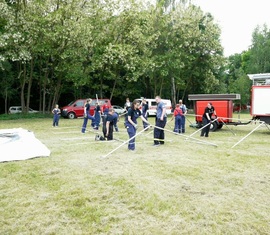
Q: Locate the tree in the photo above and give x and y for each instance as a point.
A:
(259, 60)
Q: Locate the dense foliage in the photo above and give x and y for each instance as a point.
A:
(54, 51)
(252, 61)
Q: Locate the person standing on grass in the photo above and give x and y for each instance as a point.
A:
(183, 121)
(127, 104)
(104, 110)
(108, 125)
(206, 119)
(177, 115)
(115, 120)
(56, 112)
(161, 119)
(131, 122)
(87, 114)
(144, 112)
(97, 116)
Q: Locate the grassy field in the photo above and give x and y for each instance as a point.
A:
(183, 187)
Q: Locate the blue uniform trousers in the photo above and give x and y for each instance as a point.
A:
(177, 124)
(158, 133)
(85, 120)
(145, 115)
(55, 119)
(205, 130)
(183, 124)
(97, 120)
(131, 132)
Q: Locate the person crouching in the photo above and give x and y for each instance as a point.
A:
(108, 125)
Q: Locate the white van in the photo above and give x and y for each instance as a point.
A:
(152, 104)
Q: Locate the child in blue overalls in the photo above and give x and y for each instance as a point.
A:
(87, 115)
(177, 114)
(56, 112)
(131, 122)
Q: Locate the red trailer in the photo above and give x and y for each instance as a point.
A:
(223, 104)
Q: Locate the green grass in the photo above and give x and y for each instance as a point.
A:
(24, 116)
(182, 187)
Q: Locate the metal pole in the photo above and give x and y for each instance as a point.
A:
(227, 126)
(125, 142)
(248, 134)
(194, 115)
(120, 115)
(184, 136)
(189, 121)
(267, 126)
(201, 128)
(167, 123)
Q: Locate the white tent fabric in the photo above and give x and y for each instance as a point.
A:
(20, 144)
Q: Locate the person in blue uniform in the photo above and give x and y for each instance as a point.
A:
(109, 124)
(97, 114)
(161, 119)
(131, 122)
(56, 112)
(206, 119)
(183, 120)
(105, 108)
(104, 111)
(87, 114)
(144, 112)
(115, 120)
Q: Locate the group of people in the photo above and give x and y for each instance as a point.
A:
(135, 110)
(179, 114)
(104, 112)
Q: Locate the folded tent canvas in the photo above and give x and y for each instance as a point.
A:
(20, 144)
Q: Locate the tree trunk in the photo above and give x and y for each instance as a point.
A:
(173, 92)
(23, 81)
(114, 84)
(6, 98)
(161, 87)
(57, 93)
(30, 84)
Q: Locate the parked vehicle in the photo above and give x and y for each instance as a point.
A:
(118, 109)
(239, 107)
(260, 94)
(18, 109)
(152, 104)
(75, 109)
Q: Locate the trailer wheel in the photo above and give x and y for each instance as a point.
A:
(220, 125)
(213, 126)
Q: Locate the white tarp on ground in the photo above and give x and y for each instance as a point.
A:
(20, 144)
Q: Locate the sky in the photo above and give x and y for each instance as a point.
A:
(237, 20)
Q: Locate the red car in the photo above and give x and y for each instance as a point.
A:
(76, 108)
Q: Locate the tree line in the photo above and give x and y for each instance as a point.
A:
(54, 51)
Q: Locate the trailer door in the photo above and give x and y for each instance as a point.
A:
(260, 101)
